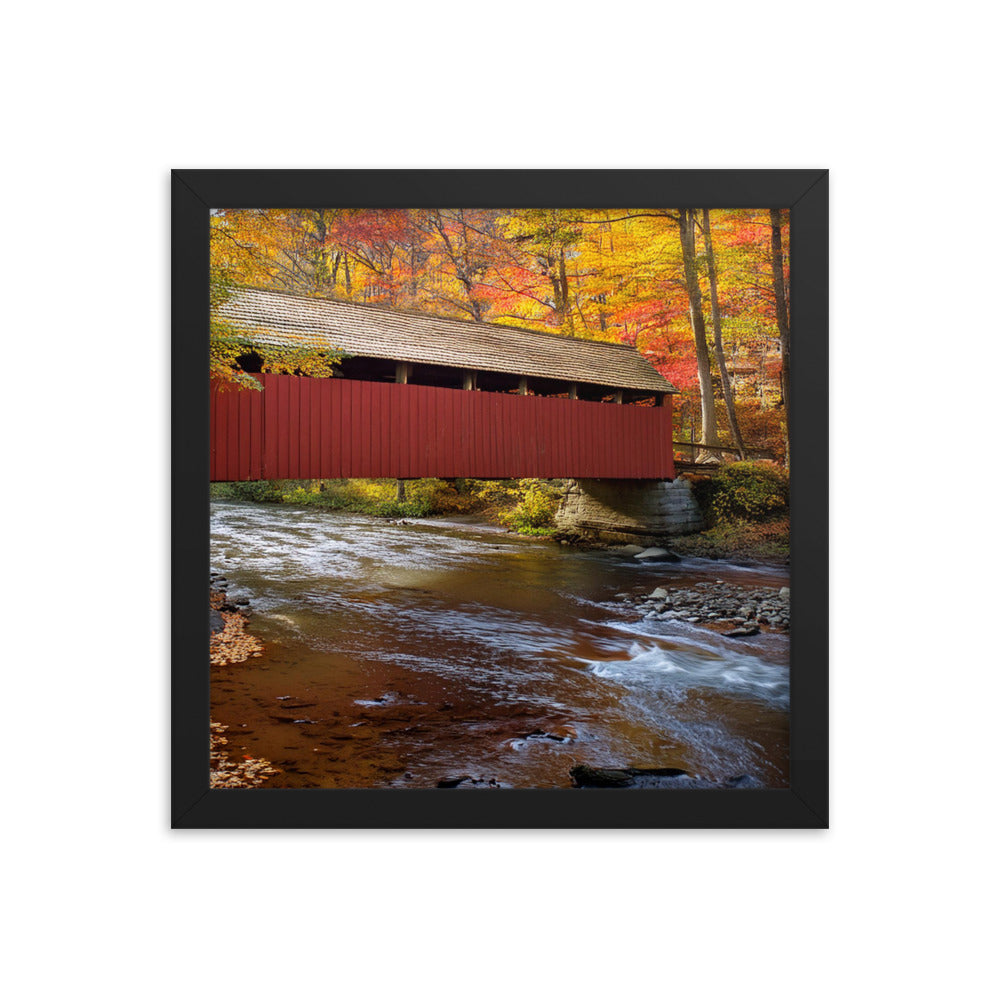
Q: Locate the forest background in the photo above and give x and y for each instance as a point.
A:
(702, 294)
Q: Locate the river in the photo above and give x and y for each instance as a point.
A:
(398, 655)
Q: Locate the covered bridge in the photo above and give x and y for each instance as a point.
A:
(419, 395)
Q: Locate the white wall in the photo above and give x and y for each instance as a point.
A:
(104, 900)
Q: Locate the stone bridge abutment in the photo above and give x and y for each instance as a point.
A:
(627, 510)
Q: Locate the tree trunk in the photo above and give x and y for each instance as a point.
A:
(709, 428)
(781, 310)
(400, 491)
(567, 312)
(720, 354)
(321, 265)
(475, 306)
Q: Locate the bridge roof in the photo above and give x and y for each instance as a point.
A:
(284, 320)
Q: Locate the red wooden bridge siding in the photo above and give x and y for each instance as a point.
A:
(304, 428)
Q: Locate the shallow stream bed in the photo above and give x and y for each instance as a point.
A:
(404, 654)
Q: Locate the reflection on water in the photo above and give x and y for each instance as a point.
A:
(400, 654)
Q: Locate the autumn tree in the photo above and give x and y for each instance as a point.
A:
(377, 249)
(781, 310)
(282, 249)
(627, 275)
(549, 238)
(709, 427)
(460, 242)
(720, 354)
(231, 344)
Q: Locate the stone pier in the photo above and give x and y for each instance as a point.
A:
(625, 511)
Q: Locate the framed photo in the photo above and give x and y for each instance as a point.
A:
(502, 482)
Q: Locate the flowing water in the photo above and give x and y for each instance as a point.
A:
(402, 654)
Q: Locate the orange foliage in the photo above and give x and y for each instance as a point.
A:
(600, 274)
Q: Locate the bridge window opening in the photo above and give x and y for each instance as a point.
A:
(642, 399)
(593, 393)
(251, 362)
(551, 388)
(442, 376)
(369, 369)
(497, 382)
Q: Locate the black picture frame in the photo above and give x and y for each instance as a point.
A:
(804, 804)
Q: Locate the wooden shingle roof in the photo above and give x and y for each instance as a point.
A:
(285, 320)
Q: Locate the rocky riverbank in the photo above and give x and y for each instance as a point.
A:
(230, 643)
(728, 608)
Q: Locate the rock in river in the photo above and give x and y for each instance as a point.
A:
(657, 555)
(453, 782)
(585, 776)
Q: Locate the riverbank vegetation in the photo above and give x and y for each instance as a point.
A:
(745, 506)
(526, 506)
(768, 542)
(744, 492)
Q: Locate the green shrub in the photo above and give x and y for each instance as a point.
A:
(534, 510)
(259, 491)
(496, 493)
(748, 491)
(523, 505)
(376, 497)
(453, 498)
(419, 507)
(541, 532)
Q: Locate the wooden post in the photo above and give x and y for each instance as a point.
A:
(572, 391)
(618, 396)
(522, 386)
(403, 372)
(469, 380)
